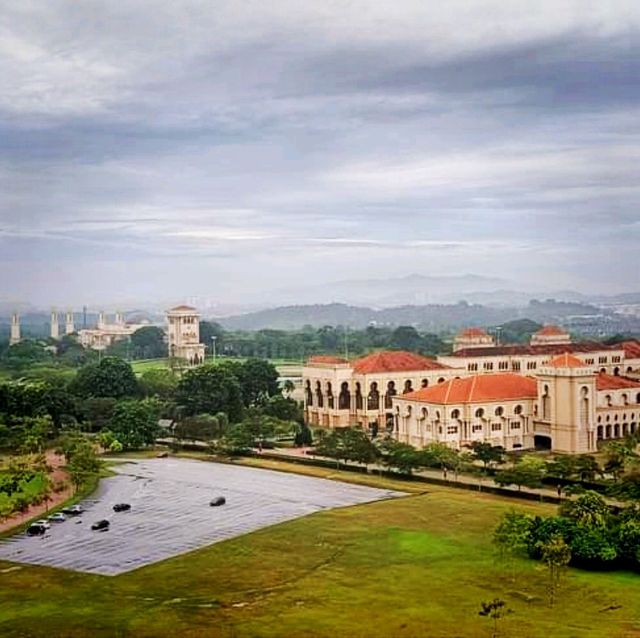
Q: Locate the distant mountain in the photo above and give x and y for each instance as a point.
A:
(434, 317)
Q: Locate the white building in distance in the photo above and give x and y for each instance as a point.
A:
(184, 334)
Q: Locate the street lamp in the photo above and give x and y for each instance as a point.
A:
(213, 346)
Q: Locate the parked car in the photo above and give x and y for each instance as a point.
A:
(74, 510)
(100, 525)
(121, 507)
(58, 517)
(45, 523)
(36, 529)
(217, 501)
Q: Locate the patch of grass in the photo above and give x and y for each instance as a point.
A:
(416, 566)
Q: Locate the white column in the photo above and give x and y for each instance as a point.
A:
(15, 329)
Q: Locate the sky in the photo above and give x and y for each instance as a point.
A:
(163, 150)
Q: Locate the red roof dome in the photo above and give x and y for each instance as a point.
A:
(392, 361)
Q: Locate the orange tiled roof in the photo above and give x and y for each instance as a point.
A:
(394, 361)
(549, 348)
(631, 349)
(567, 360)
(325, 358)
(478, 389)
(551, 331)
(610, 382)
(473, 332)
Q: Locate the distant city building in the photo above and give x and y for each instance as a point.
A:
(472, 338)
(69, 327)
(550, 335)
(106, 334)
(184, 334)
(15, 329)
(55, 325)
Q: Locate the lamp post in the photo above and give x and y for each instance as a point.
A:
(213, 347)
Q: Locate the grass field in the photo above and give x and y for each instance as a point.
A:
(417, 566)
(143, 365)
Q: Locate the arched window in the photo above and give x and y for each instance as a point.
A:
(424, 383)
(319, 397)
(329, 395)
(391, 392)
(607, 399)
(359, 402)
(424, 413)
(441, 380)
(344, 398)
(517, 410)
(625, 399)
(455, 414)
(407, 387)
(546, 404)
(308, 394)
(584, 406)
(479, 413)
(499, 411)
(638, 397)
(373, 398)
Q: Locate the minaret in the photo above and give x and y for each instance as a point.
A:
(69, 327)
(55, 325)
(15, 329)
(119, 318)
(101, 323)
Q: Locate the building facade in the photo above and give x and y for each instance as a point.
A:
(105, 334)
(184, 334)
(339, 393)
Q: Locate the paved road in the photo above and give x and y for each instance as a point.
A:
(170, 513)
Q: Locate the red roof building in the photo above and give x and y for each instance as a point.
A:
(395, 361)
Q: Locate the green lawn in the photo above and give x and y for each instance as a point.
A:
(143, 365)
(417, 566)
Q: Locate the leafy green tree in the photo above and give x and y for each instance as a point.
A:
(440, 455)
(489, 455)
(158, 382)
(405, 338)
(258, 381)
(148, 342)
(589, 509)
(210, 388)
(210, 329)
(83, 463)
(402, 456)
(527, 472)
(557, 555)
(283, 408)
(562, 468)
(135, 423)
(111, 377)
(97, 412)
(512, 535)
(587, 468)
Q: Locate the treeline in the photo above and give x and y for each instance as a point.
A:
(585, 533)
(106, 399)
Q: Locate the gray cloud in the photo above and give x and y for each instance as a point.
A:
(315, 142)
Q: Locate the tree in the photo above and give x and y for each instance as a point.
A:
(562, 468)
(83, 462)
(495, 610)
(440, 455)
(527, 472)
(158, 382)
(490, 455)
(283, 408)
(148, 342)
(511, 536)
(586, 467)
(111, 377)
(557, 555)
(135, 423)
(210, 329)
(258, 381)
(405, 338)
(210, 388)
(288, 387)
(404, 457)
(589, 509)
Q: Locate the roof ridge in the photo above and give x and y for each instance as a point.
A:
(473, 385)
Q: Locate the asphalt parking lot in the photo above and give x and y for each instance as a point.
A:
(170, 513)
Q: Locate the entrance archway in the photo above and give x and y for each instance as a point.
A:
(542, 442)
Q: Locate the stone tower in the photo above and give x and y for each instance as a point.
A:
(55, 325)
(184, 334)
(69, 327)
(567, 404)
(15, 329)
(101, 320)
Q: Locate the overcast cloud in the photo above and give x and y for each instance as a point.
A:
(169, 149)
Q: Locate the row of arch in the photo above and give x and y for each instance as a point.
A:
(616, 430)
(316, 395)
(624, 398)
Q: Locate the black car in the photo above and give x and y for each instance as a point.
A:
(217, 501)
(100, 525)
(121, 507)
(36, 530)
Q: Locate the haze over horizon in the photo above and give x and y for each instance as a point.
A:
(164, 151)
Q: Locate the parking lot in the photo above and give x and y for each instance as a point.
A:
(170, 513)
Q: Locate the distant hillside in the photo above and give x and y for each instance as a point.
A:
(434, 317)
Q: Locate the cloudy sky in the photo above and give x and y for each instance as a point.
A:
(160, 150)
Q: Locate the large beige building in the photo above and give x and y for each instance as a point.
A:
(566, 407)
(184, 334)
(551, 393)
(339, 393)
(106, 333)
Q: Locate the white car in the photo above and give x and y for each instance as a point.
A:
(43, 523)
(57, 518)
